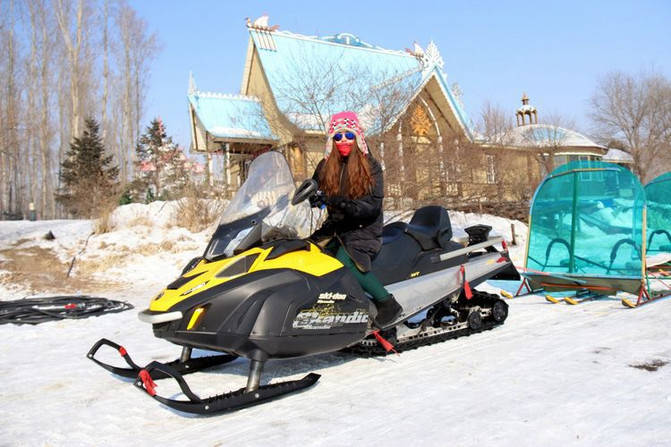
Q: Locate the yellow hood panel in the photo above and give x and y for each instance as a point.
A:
(313, 262)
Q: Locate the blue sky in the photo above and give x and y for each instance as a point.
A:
(554, 51)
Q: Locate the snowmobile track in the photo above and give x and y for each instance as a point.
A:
(377, 350)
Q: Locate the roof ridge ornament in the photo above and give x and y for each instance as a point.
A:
(432, 58)
(416, 51)
(264, 32)
(261, 24)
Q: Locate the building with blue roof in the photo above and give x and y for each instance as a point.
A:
(414, 120)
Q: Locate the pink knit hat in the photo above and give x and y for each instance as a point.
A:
(341, 122)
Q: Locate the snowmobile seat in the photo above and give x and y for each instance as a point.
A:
(392, 231)
(430, 227)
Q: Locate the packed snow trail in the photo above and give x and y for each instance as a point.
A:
(552, 375)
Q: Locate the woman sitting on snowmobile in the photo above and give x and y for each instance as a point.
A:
(351, 180)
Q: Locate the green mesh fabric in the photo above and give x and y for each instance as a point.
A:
(587, 220)
(658, 197)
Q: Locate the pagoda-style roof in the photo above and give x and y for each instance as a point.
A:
(303, 80)
(287, 60)
(219, 118)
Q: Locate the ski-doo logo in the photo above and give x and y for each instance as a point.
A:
(310, 319)
(330, 297)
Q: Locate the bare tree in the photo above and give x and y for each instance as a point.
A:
(316, 88)
(635, 109)
(75, 35)
(46, 45)
(9, 150)
(51, 55)
(136, 51)
(106, 67)
(494, 123)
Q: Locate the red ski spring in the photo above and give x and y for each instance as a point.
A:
(122, 351)
(467, 286)
(148, 382)
(385, 344)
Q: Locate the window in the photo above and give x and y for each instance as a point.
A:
(394, 189)
(491, 169)
(589, 176)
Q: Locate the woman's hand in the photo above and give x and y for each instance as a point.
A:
(344, 205)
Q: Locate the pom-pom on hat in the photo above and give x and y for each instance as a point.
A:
(342, 122)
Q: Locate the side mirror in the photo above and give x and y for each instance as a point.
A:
(305, 190)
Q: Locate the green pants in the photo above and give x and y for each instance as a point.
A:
(368, 280)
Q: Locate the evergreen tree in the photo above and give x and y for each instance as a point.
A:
(161, 164)
(89, 179)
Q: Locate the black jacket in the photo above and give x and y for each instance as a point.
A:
(358, 223)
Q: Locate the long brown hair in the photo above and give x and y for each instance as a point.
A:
(359, 179)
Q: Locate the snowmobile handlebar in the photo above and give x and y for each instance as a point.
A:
(305, 190)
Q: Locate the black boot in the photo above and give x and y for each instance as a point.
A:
(388, 310)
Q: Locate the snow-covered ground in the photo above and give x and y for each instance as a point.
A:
(552, 375)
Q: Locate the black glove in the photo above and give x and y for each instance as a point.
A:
(338, 202)
(342, 204)
(327, 230)
(318, 199)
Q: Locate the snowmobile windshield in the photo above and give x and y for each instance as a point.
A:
(261, 210)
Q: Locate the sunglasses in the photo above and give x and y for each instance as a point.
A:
(348, 135)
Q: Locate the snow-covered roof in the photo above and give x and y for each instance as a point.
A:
(546, 135)
(284, 55)
(618, 156)
(526, 108)
(231, 116)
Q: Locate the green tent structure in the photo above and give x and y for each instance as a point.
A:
(587, 233)
(658, 199)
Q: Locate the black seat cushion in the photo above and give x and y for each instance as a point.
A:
(392, 231)
(430, 226)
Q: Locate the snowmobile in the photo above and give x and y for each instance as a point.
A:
(262, 291)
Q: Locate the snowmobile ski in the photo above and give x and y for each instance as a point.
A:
(641, 302)
(506, 294)
(552, 299)
(235, 400)
(182, 365)
(577, 298)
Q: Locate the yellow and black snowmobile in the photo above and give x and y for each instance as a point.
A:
(263, 291)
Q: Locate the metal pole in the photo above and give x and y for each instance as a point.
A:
(186, 354)
(228, 166)
(574, 221)
(255, 368)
